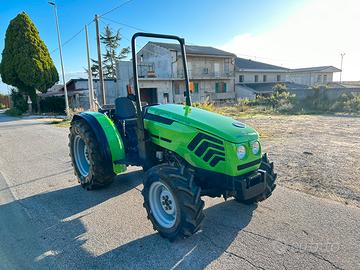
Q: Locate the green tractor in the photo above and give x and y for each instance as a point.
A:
(186, 153)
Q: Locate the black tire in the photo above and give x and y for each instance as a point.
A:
(180, 182)
(100, 173)
(267, 166)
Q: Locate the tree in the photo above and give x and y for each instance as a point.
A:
(26, 62)
(111, 41)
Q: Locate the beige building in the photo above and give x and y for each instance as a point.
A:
(161, 73)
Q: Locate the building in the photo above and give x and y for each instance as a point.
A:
(312, 75)
(254, 78)
(78, 92)
(161, 73)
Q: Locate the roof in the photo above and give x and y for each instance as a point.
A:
(268, 87)
(194, 49)
(317, 69)
(242, 63)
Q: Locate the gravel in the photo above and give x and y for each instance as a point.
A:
(315, 154)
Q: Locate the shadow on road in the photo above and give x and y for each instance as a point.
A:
(62, 232)
(222, 224)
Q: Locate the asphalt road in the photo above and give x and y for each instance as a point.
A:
(47, 221)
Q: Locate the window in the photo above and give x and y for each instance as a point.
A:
(241, 78)
(206, 71)
(325, 78)
(278, 78)
(166, 98)
(264, 78)
(226, 65)
(177, 88)
(142, 58)
(220, 87)
(256, 78)
(196, 87)
(318, 78)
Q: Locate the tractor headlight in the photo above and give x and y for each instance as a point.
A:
(241, 152)
(255, 147)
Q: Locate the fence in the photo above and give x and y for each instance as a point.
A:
(330, 93)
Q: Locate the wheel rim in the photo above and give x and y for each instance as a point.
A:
(81, 156)
(162, 204)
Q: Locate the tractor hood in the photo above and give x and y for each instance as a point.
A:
(216, 124)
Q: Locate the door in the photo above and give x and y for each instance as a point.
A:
(148, 96)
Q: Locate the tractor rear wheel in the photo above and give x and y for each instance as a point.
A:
(89, 166)
(267, 166)
(172, 201)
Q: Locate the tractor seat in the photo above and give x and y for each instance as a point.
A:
(124, 109)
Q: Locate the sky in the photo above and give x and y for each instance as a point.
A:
(288, 33)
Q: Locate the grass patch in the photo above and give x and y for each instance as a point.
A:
(64, 123)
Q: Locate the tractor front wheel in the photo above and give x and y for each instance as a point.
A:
(172, 201)
(89, 166)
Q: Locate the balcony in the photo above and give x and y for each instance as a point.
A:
(204, 73)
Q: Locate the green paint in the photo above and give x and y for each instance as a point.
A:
(189, 122)
(114, 140)
(216, 124)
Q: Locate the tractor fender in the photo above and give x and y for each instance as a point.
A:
(108, 137)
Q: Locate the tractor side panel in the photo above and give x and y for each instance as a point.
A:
(114, 142)
(198, 148)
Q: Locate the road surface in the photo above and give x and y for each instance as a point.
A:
(47, 221)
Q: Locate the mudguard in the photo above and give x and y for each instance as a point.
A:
(108, 137)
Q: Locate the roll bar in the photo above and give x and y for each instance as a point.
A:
(142, 143)
(135, 71)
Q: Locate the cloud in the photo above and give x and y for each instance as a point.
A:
(314, 35)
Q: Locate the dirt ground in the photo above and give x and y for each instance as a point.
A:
(316, 154)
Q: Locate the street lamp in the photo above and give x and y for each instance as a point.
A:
(341, 65)
(61, 59)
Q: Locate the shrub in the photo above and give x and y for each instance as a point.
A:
(14, 112)
(53, 105)
(19, 101)
(352, 105)
(205, 105)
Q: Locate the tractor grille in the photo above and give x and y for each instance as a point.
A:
(212, 147)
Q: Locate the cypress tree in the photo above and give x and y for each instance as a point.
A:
(26, 62)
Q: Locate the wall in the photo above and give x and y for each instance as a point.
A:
(159, 58)
(331, 93)
(80, 97)
(206, 90)
(204, 67)
(242, 92)
(249, 77)
(309, 78)
(162, 86)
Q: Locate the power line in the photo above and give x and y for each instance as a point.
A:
(72, 37)
(124, 24)
(115, 8)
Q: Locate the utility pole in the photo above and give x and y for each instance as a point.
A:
(341, 65)
(61, 59)
(101, 75)
(90, 80)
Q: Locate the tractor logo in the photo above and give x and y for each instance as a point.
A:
(209, 148)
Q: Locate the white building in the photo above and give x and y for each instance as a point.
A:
(313, 75)
(256, 78)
